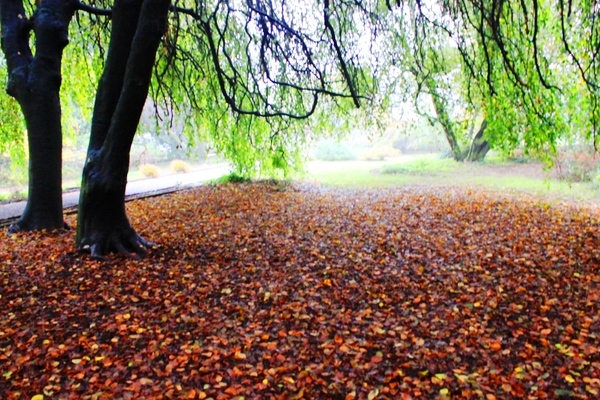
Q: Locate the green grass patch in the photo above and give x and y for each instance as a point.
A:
(422, 166)
(496, 175)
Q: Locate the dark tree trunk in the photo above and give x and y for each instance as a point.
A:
(103, 226)
(479, 146)
(35, 83)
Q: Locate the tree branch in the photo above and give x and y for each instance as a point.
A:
(340, 56)
(92, 10)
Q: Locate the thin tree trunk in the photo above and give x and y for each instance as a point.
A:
(444, 120)
(35, 83)
(103, 225)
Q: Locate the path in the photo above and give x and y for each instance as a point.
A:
(11, 211)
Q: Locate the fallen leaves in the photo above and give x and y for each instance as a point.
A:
(311, 293)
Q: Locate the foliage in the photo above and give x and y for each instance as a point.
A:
(11, 172)
(149, 170)
(311, 293)
(577, 164)
(379, 153)
(231, 178)
(179, 166)
(221, 67)
(12, 136)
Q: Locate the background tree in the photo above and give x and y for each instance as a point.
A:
(427, 62)
(506, 50)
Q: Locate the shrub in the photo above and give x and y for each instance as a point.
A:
(10, 174)
(180, 167)
(149, 170)
(231, 178)
(577, 166)
(380, 153)
(328, 150)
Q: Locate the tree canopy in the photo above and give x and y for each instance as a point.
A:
(528, 69)
(251, 73)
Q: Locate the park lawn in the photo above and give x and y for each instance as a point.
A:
(302, 291)
(429, 170)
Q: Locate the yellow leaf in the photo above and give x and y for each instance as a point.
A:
(38, 397)
(444, 391)
(569, 378)
(372, 394)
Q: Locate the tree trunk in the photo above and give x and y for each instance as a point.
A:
(444, 119)
(35, 83)
(479, 146)
(103, 226)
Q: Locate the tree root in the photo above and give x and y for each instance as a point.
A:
(20, 226)
(126, 242)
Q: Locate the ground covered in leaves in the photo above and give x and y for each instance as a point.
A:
(258, 291)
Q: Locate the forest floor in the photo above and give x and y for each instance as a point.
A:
(307, 291)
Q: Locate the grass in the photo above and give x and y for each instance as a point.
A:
(430, 170)
(426, 165)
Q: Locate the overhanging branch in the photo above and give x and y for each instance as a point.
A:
(92, 10)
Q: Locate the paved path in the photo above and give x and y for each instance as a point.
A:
(191, 179)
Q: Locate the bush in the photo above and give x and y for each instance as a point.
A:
(180, 167)
(328, 150)
(380, 153)
(577, 166)
(231, 178)
(11, 175)
(149, 170)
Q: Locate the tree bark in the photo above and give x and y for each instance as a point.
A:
(479, 146)
(34, 81)
(444, 119)
(103, 226)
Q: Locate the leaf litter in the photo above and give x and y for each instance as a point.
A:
(258, 292)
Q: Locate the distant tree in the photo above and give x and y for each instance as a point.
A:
(428, 64)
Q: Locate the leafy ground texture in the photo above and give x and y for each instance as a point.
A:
(258, 291)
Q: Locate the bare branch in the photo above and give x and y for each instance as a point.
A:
(92, 10)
